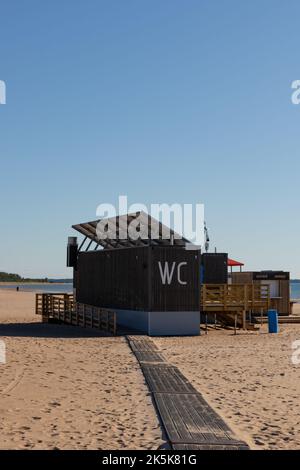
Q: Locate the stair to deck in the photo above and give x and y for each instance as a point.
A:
(283, 319)
(228, 319)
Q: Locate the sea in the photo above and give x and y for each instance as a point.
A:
(295, 291)
(40, 287)
(68, 288)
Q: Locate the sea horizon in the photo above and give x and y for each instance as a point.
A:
(67, 287)
(39, 287)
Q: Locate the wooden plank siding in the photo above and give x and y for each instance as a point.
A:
(130, 279)
(113, 278)
(234, 297)
(284, 307)
(281, 303)
(175, 296)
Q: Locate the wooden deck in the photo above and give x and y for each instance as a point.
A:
(189, 422)
(282, 319)
(62, 308)
(232, 303)
(234, 297)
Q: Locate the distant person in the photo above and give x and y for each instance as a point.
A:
(17, 288)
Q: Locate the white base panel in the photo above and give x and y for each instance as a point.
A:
(161, 323)
(133, 319)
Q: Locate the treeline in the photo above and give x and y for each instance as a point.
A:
(11, 277)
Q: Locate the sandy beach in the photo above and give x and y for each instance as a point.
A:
(63, 387)
(70, 388)
(249, 379)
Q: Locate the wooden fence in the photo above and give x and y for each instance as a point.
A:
(235, 297)
(232, 303)
(62, 307)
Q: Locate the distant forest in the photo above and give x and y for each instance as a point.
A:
(10, 277)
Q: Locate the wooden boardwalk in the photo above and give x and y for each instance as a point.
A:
(189, 422)
(62, 308)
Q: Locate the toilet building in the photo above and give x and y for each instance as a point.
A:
(151, 280)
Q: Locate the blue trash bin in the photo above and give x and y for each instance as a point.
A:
(273, 321)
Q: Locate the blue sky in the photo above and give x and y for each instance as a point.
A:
(162, 100)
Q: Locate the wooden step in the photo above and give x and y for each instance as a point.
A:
(281, 319)
(252, 327)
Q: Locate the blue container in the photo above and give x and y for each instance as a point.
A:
(273, 321)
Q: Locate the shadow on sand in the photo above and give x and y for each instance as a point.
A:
(58, 330)
(49, 330)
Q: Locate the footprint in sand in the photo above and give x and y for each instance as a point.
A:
(258, 443)
(54, 403)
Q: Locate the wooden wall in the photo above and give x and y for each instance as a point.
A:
(214, 268)
(175, 296)
(284, 292)
(130, 279)
(241, 278)
(282, 304)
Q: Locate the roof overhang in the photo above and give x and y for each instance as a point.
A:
(130, 230)
(232, 262)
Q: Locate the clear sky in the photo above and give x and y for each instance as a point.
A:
(165, 101)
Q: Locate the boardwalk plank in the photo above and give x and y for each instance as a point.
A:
(149, 356)
(165, 378)
(141, 344)
(189, 421)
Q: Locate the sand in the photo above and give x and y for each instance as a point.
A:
(249, 379)
(62, 387)
(296, 309)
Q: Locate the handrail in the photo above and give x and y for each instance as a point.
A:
(63, 308)
(228, 297)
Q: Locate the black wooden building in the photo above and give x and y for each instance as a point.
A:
(151, 277)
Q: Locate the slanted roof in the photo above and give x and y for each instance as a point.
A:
(130, 230)
(232, 262)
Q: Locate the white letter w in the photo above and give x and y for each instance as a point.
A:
(166, 275)
(2, 92)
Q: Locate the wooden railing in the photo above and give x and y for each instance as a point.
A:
(96, 317)
(62, 307)
(44, 303)
(235, 297)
